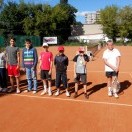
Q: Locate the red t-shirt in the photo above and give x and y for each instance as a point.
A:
(46, 58)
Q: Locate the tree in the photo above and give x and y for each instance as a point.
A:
(108, 19)
(125, 22)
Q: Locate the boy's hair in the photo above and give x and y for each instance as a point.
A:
(13, 38)
(109, 41)
(28, 40)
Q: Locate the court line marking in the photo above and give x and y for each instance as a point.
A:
(130, 75)
(74, 100)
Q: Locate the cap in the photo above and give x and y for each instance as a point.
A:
(81, 49)
(60, 48)
(45, 44)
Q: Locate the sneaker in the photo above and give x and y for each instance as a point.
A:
(44, 92)
(57, 93)
(86, 96)
(116, 95)
(75, 95)
(18, 91)
(109, 93)
(26, 91)
(11, 90)
(49, 92)
(34, 92)
(67, 94)
(4, 90)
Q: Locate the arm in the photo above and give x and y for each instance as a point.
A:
(18, 59)
(118, 60)
(74, 69)
(51, 64)
(23, 66)
(35, 59)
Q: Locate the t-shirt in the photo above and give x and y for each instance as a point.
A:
(80, 60)
(2, 60)
(46, 58)
(12, 55)
(111, 57)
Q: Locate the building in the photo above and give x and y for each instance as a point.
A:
(87, 33)
(92, 17)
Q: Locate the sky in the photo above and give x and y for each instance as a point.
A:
(84, 6)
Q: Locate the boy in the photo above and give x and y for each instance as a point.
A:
(13, 64)
(111, 57)
(61, 63)
(80, 62)
(29, 64)
(46, 64)
(3, 72)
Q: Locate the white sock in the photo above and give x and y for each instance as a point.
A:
(49, 88)
(45, 87)
(109, 89)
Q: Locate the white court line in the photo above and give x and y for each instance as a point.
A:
(75, 100)
(130, 75)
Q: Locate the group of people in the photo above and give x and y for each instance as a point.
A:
(10, 64)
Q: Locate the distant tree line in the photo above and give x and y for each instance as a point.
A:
(117, 22)
(37, 19)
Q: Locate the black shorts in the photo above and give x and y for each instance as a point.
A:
(45, 75)
(111, 74)
(81, 77)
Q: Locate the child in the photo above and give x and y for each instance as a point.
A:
(13, 64)
(3, 72)
(29, 64)
(46, 64)
(61, 63)
(80, 62)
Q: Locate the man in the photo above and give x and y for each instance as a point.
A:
(111, 57)
(45, 65)
(29, 64)
(80, 71)
(61, 63)
(13, 64)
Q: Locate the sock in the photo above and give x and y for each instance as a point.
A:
(45, 87)
(49, 88)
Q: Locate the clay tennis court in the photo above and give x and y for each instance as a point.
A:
(34, 113)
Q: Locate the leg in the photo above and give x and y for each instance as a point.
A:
(17, 82)
(57, 83)
(48, 77)
(29, 79)
(64, 80)
(34, 77)
(84, 81)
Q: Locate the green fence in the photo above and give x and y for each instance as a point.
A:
(20, 40)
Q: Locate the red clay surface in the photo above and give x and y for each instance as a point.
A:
(100, 113)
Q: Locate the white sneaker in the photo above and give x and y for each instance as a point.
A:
(49, 92)
(57, 93)
(116, 95)
(18, 91)
(67, 94)
(44, 92)
(109, 93)
(34, 92)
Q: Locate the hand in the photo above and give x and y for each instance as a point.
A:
(50, 72)
(18, 67)
(39, 71)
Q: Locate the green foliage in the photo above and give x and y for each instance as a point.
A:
(117, 22)
(37, 19)
(108, 20)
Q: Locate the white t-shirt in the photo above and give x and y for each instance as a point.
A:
(111, 57)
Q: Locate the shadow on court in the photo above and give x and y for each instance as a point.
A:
(124, 85)
(96, 88)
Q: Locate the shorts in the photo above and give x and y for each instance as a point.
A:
(81, 77)
(111, 74)
(45, 75)
(13, 71)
